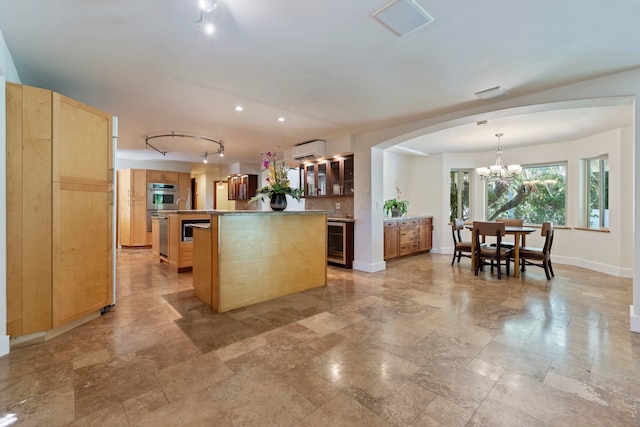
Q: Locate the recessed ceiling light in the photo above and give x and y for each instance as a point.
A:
(494, 92)
(239, 108)
(281, 119)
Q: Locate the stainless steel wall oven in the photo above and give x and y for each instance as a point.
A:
(160, 196)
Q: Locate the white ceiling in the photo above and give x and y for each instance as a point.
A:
(327, 66)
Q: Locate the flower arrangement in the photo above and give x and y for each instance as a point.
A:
(277, 181)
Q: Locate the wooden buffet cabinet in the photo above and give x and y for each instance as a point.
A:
(59, 212)
(407, 236)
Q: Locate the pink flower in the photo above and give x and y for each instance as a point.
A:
(265, 163)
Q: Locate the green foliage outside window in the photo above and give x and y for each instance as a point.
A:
(537, 195)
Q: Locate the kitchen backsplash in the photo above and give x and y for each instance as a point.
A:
(329, 204)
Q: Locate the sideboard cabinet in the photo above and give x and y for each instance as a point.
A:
(407, 236)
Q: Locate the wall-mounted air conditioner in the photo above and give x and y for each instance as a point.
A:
(315, 148)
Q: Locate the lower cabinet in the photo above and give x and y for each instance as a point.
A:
(407, 236)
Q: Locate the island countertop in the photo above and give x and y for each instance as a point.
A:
(242, 212)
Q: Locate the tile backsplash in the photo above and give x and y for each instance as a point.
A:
(329, 204)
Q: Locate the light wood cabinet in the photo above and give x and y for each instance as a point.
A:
(132, 207)
(184, 188)
(406, 236)
(59, 210)
(155, 239)
(165, 177)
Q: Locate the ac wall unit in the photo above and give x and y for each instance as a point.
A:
(315, 148)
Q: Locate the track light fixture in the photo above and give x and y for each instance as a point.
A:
(173, 134)
(205, 21)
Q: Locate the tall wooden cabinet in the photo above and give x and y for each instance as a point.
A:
(59, 210)
(132, 207)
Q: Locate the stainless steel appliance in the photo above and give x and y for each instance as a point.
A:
(187, 230)
(160, 196)
(340, 243)
(163, 222)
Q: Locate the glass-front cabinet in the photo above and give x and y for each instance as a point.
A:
(330, 178)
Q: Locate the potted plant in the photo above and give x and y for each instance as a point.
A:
(278, 185)
(395, 207)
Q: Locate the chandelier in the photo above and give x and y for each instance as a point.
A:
(498, 171)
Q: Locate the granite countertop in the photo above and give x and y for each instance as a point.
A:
(243, 212)
(403, 218)
(340, 219)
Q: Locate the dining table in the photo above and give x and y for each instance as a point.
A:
(520, 236)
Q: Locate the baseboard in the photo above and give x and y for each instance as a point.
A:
(369, 268)
(40, 337)
(635, 321)
(4, 345)
(611, 270)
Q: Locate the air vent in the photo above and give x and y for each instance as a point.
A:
(402, 17)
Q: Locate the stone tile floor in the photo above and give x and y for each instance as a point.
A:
(420, 344)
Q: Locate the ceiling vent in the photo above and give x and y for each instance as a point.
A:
(304, 150)
(402, 17)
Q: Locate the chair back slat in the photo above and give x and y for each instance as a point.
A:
(512, 222)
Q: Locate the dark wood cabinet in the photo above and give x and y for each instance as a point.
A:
(328, 178)
(406, 236)
(242, 187)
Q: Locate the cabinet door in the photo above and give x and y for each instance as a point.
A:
(310, 179)
(426, 238)
(348, 176)
(321, 188)
(391, 241)
(82, 196)
(185, 190)
(139, 185)
(335, 178)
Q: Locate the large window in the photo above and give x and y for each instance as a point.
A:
(596, 184)
(459, 195)
(537, 195)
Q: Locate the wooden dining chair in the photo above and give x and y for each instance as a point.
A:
(540, 257)
(513, 222)
(461, 248)
(497, 253)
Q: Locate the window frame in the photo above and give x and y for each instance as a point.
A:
(460, 186)
(565, 164)
(603, 190)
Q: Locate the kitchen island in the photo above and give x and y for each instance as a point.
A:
(246, 257)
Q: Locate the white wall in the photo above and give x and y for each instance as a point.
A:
(396, 173)
(163, 165)
(8, 73)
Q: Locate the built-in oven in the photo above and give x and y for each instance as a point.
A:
(160, 197)
(187, 229)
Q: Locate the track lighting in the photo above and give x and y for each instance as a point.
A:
(205, 21)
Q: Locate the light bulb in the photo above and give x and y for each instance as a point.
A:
(207, 5)
(209, 28)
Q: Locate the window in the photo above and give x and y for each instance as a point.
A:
(459, 195)
(596, 184)
(537, 195)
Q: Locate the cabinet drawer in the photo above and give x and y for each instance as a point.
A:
(409, 235)
(390, 224)
(425, 221)
(408, 222)
(409, 248)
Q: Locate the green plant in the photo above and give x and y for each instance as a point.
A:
(277, 181)
(391, 204)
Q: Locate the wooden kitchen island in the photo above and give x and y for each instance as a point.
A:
(246, 257)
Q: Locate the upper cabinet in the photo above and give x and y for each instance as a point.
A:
(242, 187)
(328, 178)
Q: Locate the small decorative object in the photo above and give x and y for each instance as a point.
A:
(278, 185)
(396, 207)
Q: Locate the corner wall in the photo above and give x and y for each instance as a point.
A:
(8, 73)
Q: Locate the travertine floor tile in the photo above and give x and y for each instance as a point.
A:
(422, 343)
